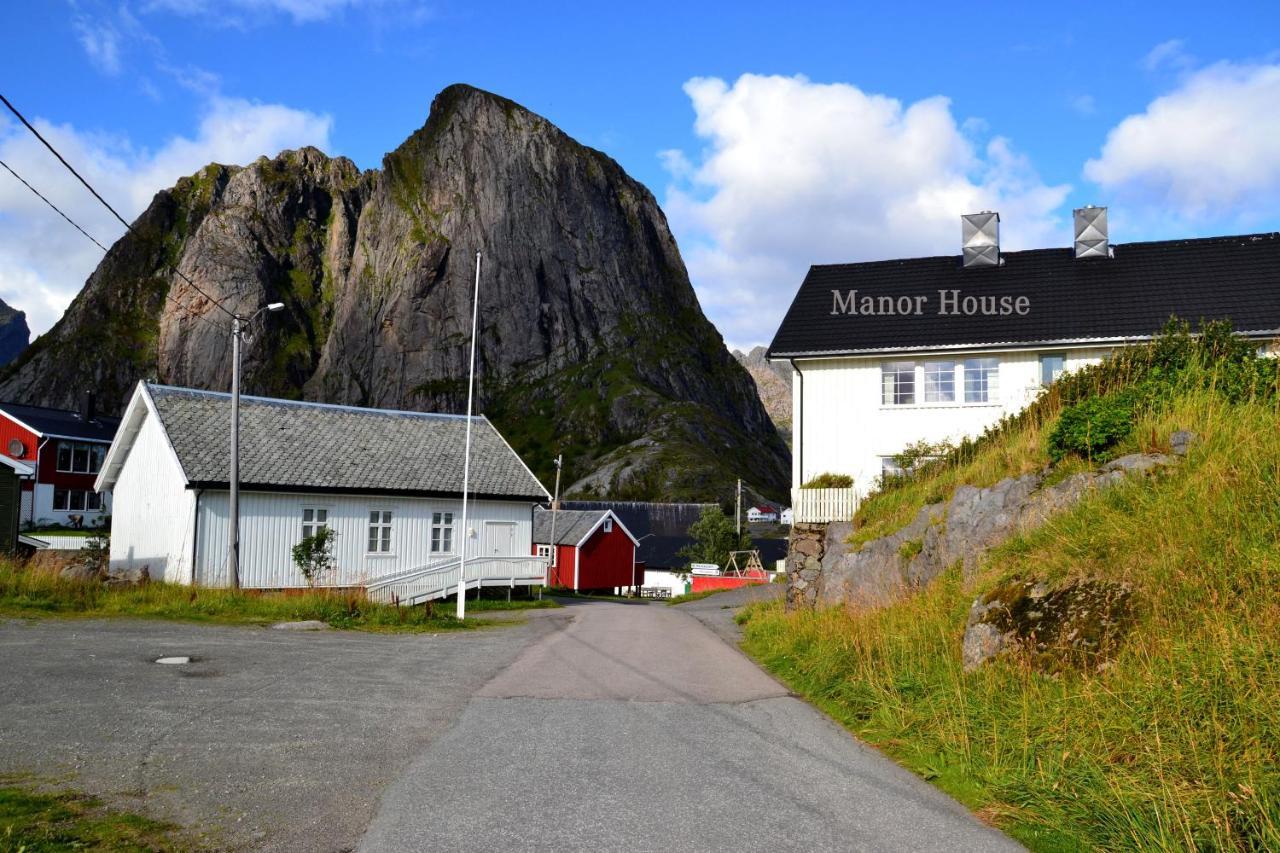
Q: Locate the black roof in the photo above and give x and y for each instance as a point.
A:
(62, 422)
(1130, 295)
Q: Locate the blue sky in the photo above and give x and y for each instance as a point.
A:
(774, 135)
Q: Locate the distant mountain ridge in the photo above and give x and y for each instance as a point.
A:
(591, 340)
(773, 384)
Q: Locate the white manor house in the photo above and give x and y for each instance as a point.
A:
(885, 354)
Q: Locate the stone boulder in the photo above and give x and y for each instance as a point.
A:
(128, 576)
(1079, 624)
(81, 568)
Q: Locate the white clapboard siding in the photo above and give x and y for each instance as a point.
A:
(151, 525)
(821, 506)
(841, 425)
(271, 524)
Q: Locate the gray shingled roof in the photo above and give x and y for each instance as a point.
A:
(571, 525)
(314, 446)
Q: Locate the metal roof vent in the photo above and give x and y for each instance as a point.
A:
(1091, 233)
(980, 239)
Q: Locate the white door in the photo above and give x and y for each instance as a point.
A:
(500, 538)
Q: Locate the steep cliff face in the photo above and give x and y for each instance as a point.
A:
(14, 334)
(773, 385)
(591, 341)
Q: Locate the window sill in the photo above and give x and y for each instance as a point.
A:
(911, 407)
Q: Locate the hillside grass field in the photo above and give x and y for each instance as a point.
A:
(1175, 744)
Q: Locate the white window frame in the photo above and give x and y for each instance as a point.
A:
(608, 525)
(1040, 367)
(940, 379)
(544, 551)
(986, 382)
(379, 531)
(442, 524)
(889, 468)
(312, 526)
(86, 495)
(890, 391)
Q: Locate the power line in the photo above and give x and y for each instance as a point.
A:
(96, 195)
(92, 239)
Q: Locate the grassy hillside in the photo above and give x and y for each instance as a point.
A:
(1174, 745)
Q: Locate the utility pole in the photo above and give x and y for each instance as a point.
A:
(737, 518)
(466, 459)
(237, 330)
(555, 508)
(233, 557)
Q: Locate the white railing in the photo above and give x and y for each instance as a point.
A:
(820, 506)
(436, 580)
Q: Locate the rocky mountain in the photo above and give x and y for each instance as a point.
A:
(591, 341)
(14, 334)
(773, 385)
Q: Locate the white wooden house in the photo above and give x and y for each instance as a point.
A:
(886, 354)
(388, 483)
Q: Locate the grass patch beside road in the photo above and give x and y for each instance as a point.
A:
(37, 594)
(695, 596)
(33, 822)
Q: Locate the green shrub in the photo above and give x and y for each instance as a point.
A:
(1092, 426)
(830, 481)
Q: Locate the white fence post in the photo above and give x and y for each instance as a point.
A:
(821, 506)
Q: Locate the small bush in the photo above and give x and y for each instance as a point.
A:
(1092, 426)
(830, 481)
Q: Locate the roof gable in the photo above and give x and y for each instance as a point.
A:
(287, 444)
(1131, 295)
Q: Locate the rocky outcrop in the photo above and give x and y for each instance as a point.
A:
(591, 340)
(1077, 624)
(955, 532)
(14, 334)
(773, 385)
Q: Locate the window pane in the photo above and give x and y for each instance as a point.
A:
(77, 499)
(899, 379)
(322, 516)
(448, 518)
(93, 501)
(939, 381)
(81, 460)
(1051, 367)
(386, 539)
(373, 542)
(448, 540)
(373, 516)
(435, 518)
(980, 380)
(386, 518)
(308, 515)
(64, 456)
(60, 499)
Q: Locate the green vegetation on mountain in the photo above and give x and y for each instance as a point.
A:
(1172, 743)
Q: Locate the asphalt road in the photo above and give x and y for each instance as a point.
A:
(636, 727)
(269, 740)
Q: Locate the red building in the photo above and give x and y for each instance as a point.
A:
(66, 449)
(592, 549)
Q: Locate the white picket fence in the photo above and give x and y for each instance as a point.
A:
(820, 506)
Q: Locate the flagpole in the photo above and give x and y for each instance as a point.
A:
(466, 459)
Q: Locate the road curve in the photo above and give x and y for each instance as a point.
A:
(635, 727)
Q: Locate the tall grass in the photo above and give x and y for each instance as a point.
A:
(1176, 744)
(28, 593)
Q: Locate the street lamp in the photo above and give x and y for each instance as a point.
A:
(238, 324)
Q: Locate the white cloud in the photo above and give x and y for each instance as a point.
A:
(1206, 150)
(44, 261)
(796, 173)
(1168, 54)
(101, 42)
(301, 11)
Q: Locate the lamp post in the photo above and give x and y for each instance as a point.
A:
(238, 325)
(466, 459)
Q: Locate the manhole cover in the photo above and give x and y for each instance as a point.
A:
(175, 660)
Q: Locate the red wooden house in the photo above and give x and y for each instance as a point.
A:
(592, 550)
(66, 449)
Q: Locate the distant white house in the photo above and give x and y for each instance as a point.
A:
(388, 483)
(762, 514)
(786, 516)
(886, 354)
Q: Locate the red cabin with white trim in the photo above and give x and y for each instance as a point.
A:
(588, 549)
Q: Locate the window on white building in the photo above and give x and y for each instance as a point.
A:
(441, 533)
(78, 457)
(313, 519)
(939, 381)
(889, 468)
(981, 380)
(898, 380)
(76, 500)
(1051, 367)
(379, 531)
